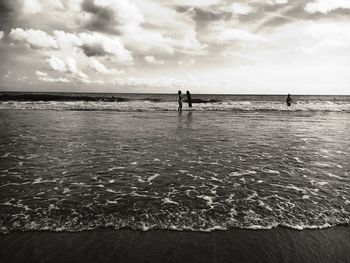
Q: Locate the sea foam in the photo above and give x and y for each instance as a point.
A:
(135, 106)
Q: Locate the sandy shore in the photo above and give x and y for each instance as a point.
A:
(107, 245)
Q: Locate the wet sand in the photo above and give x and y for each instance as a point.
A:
(108, 245)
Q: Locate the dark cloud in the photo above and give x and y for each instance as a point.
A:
(251, 18)
(103, 18)
(93, 50)
(8, 13)
(341, 12)
(203, 16)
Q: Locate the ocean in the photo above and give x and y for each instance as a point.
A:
(246, 162)
(168, 102)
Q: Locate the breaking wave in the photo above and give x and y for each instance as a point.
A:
(155, 105)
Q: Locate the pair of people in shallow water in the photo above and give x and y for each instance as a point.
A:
(189, 100)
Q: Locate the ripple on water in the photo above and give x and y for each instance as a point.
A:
(174, 175)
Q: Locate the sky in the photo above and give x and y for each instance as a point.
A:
(205, 46)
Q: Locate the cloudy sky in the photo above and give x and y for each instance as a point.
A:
(207, 46)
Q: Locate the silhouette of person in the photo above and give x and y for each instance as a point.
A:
(289, 100)
(180, 100)
(189, 99)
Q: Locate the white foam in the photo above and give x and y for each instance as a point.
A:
(168, 201)
(112, 191)
(247, 172)
(270, 171)
(334, 176)
(152, 177)
(66, 190)
(172, 106)
(112, 169)
(208, 199)
(133, 193)
(112, 201)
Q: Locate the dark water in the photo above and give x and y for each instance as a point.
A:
(76, 170)
(156, 97)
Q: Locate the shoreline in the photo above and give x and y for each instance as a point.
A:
(279, 244)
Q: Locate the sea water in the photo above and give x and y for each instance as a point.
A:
(203, 170)
(168, 102)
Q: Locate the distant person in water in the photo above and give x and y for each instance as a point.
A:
(289, 100)
(180, 100)
(189, 99)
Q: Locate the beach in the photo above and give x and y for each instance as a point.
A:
(107, 245)
(165, 186)
(175, 131)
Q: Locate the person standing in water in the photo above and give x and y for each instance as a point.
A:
(189, 100)
(289, 100)
(180, 100)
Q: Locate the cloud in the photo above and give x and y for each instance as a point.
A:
(101, 18)
(99, 67)
(108, 15)
(274, 2)
(57, 64)
(49, 79)
(133, 28)
(34, 38)
(194, 3)
(40, 74)
(68, 66)
(91, 81)
(160, 83)
(220, 34)
(203, 15)
(71, 65)
(326, 6)
(241, 8)
(146, 41)
(7, 13)
(74, 37)
(153, 35)
(43, 76)
(66, 40)
(92, 44)
(32, 7)
(152, 60)
(96, 44)
(57, 4)
(280, 2)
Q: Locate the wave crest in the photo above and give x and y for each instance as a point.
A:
(149, 105)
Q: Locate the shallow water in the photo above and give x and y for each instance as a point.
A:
(76, 170)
